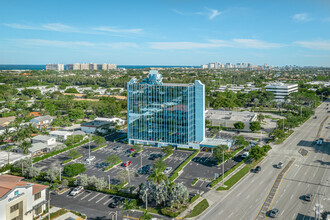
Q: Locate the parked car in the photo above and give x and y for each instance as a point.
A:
(115, 203)
(279, 165)
(315, 117)
(126, 163)
(308, 197)
(155, 156)
(319, 141)
(130, 150)
(245, 154)
(274, 213)
(90, 159)
(167, 170)
(136, 154)
(77, 190)
(99, 165)
(257, 169)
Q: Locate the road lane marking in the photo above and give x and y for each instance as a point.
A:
(101, 199)
(78, 195)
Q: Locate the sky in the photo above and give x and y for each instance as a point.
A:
(166, 32)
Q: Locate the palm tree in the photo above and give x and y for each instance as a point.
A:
(145, 216)
(158, 176)
(25, 146)
(127, 207)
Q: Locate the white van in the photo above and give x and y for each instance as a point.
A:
(245, 154)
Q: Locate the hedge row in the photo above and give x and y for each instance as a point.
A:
(239, 175)
(96, 148)
(167, 155)
(53, 153)
(193, 199)
(194, 182)
(5, 168)
(175, 173)
(69, 160)
(217, 180)
(109, 167)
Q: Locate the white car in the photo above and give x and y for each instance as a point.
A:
(280, 165)
(90, 159)
(77, 190)
(167, 170)
(245, 154)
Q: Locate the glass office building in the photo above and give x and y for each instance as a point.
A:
(165, 113)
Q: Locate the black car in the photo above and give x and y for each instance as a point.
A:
(257, 169)
(155, 156)
(136, 154)
(114, 204)
(273, 213)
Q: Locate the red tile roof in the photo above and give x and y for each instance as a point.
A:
(9, 182)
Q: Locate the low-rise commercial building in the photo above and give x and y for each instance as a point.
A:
(42, 121)
(60, 135)
(229, 118)
(21, 200)
(281, 90)
(96, 126)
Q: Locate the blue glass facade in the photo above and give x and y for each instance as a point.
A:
(161, 114)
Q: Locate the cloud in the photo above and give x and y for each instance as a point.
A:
(234, 43)
(70, 44)
(214, 13)
(209, 13)
(257, 44)
(58, 27)
(302, 17)
(120, 31)
(316, 45)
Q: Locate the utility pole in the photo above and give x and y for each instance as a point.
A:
(300, 111)
(141, 161)
(109, 181)
(60, 174)
(22, 168)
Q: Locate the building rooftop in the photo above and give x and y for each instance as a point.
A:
(37, 147)
(60, 133)
(211, 142)
(42, 118)
(95, 123)
(42, 137)
(9, 182)
(229, 115)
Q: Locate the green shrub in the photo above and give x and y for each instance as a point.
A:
(194, 182)
(74, 169)
(193, 199)
(5, 168)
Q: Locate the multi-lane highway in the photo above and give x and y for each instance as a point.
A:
(309, 174)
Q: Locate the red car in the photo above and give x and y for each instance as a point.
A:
(127, 163)
(131, 150)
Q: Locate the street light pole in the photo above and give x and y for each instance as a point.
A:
(89, 155)
(129, 179)
(60, 174)
(141, 161)
(147, 199)
(223, 167)
(109, 181)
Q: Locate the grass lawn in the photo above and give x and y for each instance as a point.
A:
(239, 175)
(198, 209)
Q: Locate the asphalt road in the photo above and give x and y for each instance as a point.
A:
(309, 174)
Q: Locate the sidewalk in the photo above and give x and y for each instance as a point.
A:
(190, 207)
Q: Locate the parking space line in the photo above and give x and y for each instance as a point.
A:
(78, 195)
(107, 201)
(101, 198)
(93, 197)
(86, 196)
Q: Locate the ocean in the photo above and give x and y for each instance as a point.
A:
(42, 67)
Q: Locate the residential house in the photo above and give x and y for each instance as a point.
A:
(42, 121)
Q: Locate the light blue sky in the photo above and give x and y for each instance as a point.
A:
(173, 32)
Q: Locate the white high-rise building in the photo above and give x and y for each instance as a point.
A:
(56, 67)
(112, 66)
(84, 66)
(281, 90)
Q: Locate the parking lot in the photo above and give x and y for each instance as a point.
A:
(95, 205)
(204, 166)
